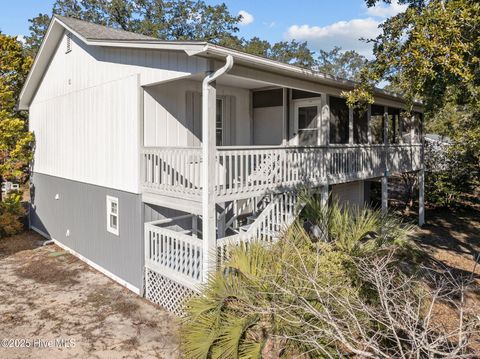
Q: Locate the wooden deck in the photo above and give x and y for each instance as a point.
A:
(242, 172)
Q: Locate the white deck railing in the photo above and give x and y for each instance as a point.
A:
(172, 169)
(254, 170)
(275, 218)
(173, 253)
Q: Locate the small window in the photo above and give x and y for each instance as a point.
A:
(69, 43)
(112, 215)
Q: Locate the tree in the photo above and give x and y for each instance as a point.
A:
(429, 48)
(15, 148)
(15, 140)
(431, 52)
(342, 64)
(294, 53)
(14, 66)
(38, 28)
(171, 20)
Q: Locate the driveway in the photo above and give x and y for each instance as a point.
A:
(53, 305)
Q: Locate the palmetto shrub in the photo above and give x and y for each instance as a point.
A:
(337, 295)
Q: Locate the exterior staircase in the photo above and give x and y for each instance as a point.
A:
(266, 226)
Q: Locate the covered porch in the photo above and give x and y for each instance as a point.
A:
(269, 133)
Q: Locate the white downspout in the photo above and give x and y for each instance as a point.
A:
(214, 75)
(208, 172)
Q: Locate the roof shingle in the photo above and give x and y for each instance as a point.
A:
(99, 32)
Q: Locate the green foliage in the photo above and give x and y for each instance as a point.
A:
(11, 214)
(15, 140)
(431, 52)
(354, 230)
(342, 64)
(459, 174)
(14, 66)
(233, 318)
(428, 49)
(15, 148)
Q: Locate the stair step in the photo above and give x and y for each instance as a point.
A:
(245, 227)
(251, 219)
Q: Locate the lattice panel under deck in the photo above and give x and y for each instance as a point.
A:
(166, 292)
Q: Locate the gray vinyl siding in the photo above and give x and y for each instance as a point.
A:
(81, 209)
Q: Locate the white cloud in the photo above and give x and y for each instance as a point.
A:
(247, 18)
(21, 38)
(345, 34)
(386, 10)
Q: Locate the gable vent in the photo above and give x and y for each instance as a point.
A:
(69, 43)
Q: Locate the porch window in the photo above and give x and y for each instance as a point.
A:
(219, 122)
(339, 121)
(377, 123)
(112, 215)
(360, 125)
(394, 125)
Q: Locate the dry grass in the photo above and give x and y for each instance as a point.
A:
(47, 293)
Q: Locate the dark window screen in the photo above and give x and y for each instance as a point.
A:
(338, 120)
(360, 125)
(268, 98)
(299, 94)
(307, 125)
(376, 121)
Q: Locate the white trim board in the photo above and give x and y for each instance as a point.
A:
(90, 263)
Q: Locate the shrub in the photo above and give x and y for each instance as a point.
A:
(11, 214)
(335, 295)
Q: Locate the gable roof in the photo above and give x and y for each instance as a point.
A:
(99, 35)
(91, 31)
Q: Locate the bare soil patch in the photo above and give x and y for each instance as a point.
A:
(47, 294)
(450, 242)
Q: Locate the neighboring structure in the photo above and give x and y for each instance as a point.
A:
(152, 156)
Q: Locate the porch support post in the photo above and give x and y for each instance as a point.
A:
(386, 159)
(285, 117)
(384, 194)
(421, 197)
(324, 195)
(350, 125)
(324, 141)
(209, 98)
(325, 121)
(221, 223)
(209, 235)
(194, 226)
(369, 124)
(412, 129)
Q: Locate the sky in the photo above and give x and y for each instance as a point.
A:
(322, 23)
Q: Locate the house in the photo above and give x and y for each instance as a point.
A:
(152, 156)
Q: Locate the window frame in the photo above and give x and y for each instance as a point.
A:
(112, 200)
(222, 128)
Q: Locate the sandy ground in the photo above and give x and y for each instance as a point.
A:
(48, 296)
(451, 242)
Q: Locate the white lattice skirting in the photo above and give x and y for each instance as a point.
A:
(166, 292)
